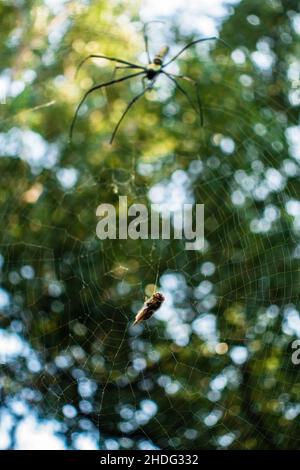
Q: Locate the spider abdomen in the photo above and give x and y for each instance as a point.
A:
(158, 59)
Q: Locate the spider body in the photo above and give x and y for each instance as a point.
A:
(154, 68)
(149, 72)
(149, 308)
(152, 71)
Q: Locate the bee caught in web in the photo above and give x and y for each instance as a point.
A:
(149, 73)
(149, 308)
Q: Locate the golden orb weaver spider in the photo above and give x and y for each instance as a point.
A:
(150, 72)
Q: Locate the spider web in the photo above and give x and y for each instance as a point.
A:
(152, 382)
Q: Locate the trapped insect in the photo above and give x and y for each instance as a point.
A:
(150, 306)
(150, 72)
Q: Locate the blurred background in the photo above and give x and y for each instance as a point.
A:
(213, 367)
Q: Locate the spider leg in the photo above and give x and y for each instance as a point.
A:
(146, 43)
(120, 67)
(215, 38)
(113, 59)
(184, 93)
(196, 85)
(144, 79)
(146, 37)
(97, 87)
(130, 104)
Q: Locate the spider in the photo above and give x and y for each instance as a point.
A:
(150, 72)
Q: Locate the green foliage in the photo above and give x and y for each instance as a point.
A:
(76, 311)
